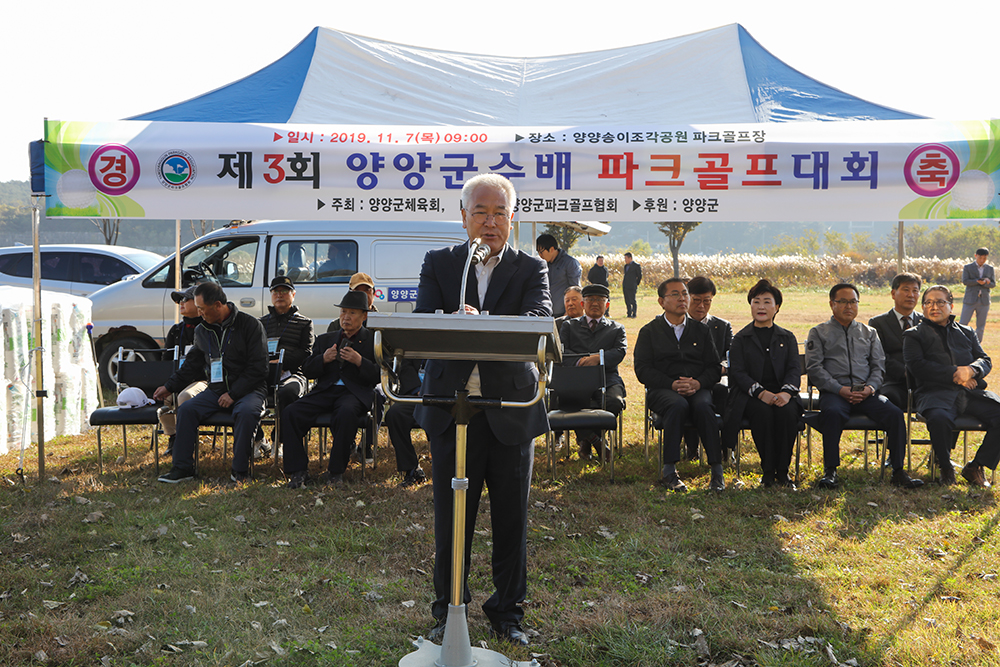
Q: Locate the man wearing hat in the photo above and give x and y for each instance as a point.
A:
(360, 282)
(180, 336)
(292, 332)
(343, 365)
(583, 338)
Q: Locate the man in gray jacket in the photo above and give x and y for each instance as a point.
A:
(978, 278)
(845, 361)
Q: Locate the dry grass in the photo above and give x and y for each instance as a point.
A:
(619, 574)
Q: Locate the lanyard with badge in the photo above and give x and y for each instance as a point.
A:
(215, 363)
(272, 343)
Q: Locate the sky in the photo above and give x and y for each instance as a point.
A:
(103, 60)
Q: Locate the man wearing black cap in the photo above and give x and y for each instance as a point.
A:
(180, 336)
(287, 330)
(343, 365)
(583, 339)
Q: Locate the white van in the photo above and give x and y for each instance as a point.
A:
(319, 257)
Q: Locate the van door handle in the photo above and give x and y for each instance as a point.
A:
(247, 302)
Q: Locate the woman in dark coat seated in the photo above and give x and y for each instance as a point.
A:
(764, 377)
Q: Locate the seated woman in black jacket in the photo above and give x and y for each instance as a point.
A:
(764, 376)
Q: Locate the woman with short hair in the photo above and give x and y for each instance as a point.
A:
(764, 378)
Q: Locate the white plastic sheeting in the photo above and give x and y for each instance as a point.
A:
(70, 375)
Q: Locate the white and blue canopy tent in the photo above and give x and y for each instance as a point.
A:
(717, 76)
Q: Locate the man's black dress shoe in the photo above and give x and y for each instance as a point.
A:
(901, 479)
(512, 633)
(829, 479)
(436, 634)
(672, 482)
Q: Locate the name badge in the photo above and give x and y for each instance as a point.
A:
(272, 345)
(216, 370)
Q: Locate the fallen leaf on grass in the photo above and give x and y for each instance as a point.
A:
(239, 518)
(41, 656)
(985, 644)
(262, 603)
(280, 623)
(643, 578)
(94, 517)
(605, 533)
(78, 578)
(277, 649)
(871, 504)
(52, 604)
(409, 603)
(80, 500)
(122, 616)
(283, 543)
(170, 649)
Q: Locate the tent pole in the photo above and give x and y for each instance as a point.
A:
(36, 274)
(900, 250)
(177, 267)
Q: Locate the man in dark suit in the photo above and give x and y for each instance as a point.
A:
(598, 273)
(343, 365)
(978, 278)
(631, 277)
(675, 358)
(399, 420)
(583, 339)
(890, 327)
(702, 291)
(949, 368)
(500, 442)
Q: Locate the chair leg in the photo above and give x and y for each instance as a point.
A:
(100, 453)
(646, 434)
(611, 448)
(798, 454)
(866, 448)
(154, 444)
(809, 449)
(124, 442)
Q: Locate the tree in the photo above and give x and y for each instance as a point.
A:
(205, 225)
(108, 228)
(784, 244)
(835, 243)
(564, 235)
(675, 233)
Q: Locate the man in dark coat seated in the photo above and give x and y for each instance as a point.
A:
(343, 365)
(675, 358)
(583, 339)
(500, 441)
(949, 368)
(890, 327)
(399, 420)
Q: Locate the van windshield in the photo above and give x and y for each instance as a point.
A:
(231, 262)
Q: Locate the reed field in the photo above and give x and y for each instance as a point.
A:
(116, 569)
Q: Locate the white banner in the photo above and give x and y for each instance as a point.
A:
(833, 171)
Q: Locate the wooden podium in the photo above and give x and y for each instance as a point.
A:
(462, 337)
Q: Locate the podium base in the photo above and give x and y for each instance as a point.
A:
(455, 649)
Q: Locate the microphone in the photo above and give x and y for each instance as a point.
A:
(479, 251)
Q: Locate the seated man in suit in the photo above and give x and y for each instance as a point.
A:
(949, 368)
(400, 421)
(343, 365)
(675, 358)
(702, 291)
(890, 327)
(500, 441)
(583, 339)
(573, 301)
(846, 363)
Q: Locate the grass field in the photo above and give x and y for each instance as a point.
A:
(116, 569)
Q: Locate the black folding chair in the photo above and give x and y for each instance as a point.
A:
(570, 400)
(135, 371)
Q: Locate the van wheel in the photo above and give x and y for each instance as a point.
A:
(107, 363)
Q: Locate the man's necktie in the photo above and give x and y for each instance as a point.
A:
(593, 325)
(906, 322)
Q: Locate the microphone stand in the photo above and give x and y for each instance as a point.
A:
(475, 257)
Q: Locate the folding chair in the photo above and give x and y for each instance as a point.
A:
(135, 371)
(570, 397)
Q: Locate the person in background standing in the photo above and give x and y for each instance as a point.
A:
(978, 278)
(564, 271)
(631, 277)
